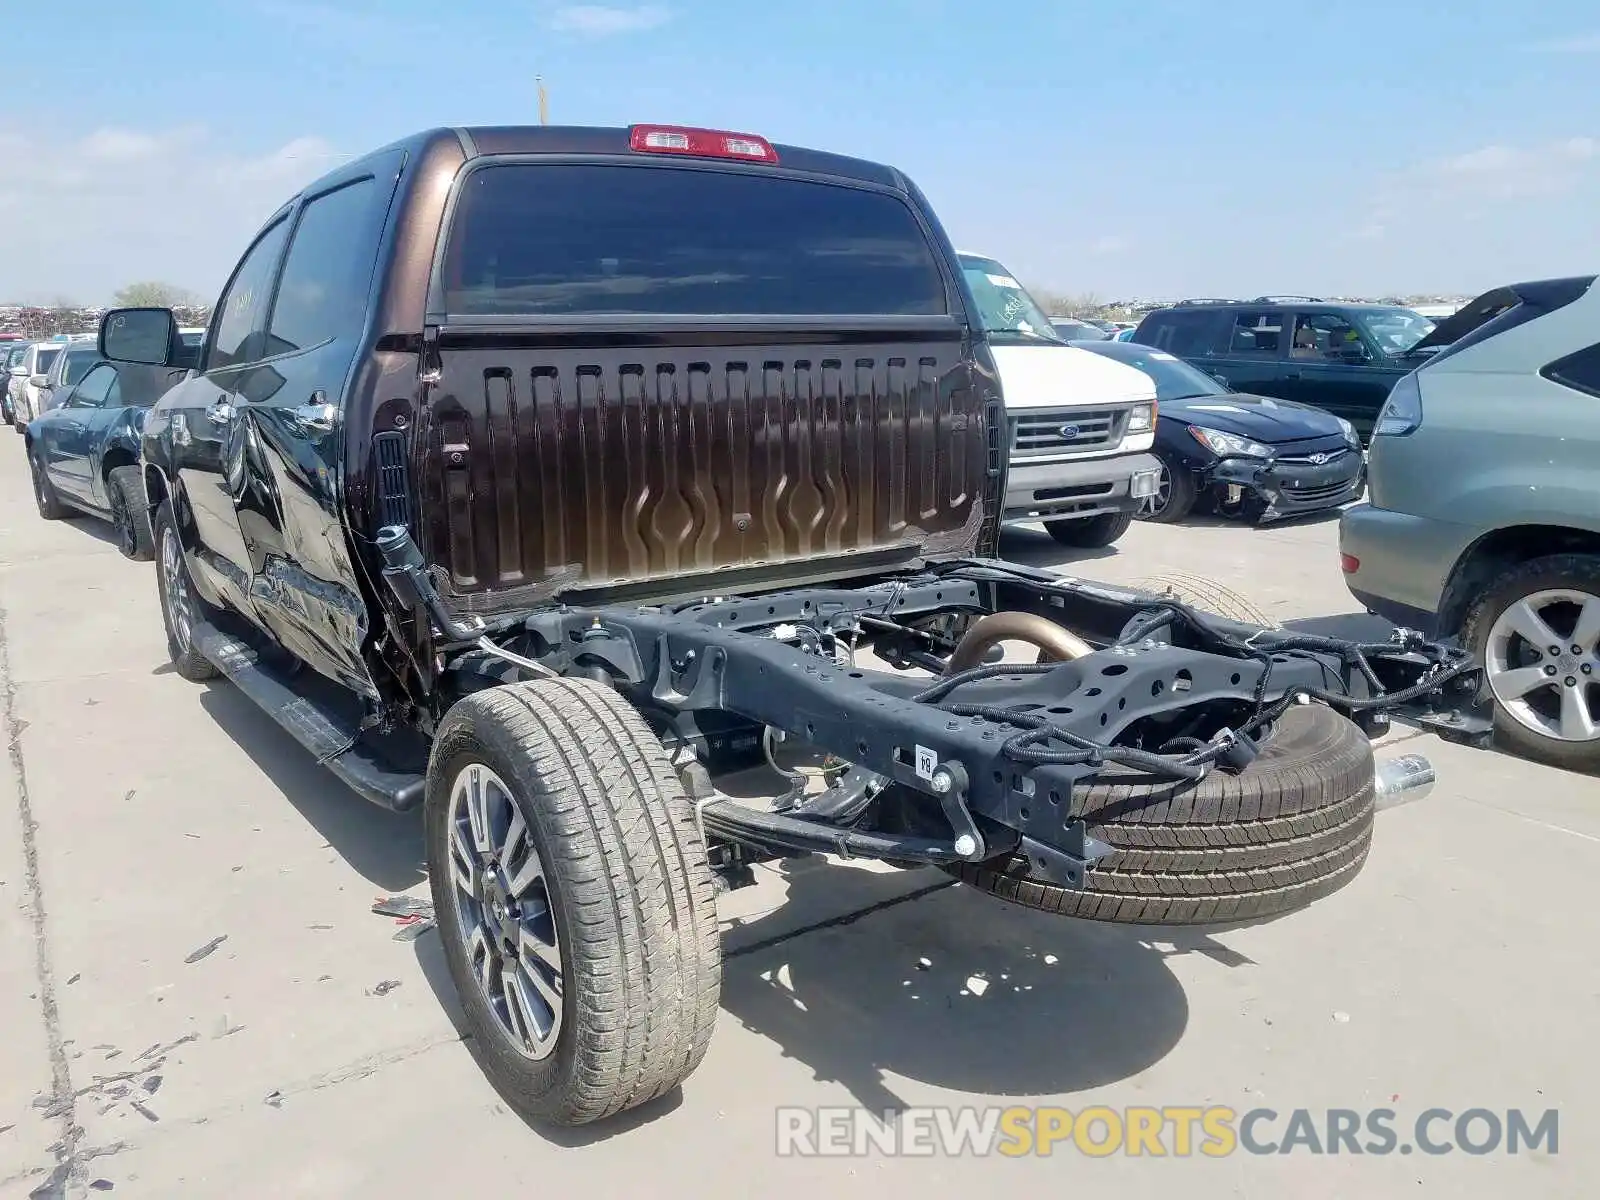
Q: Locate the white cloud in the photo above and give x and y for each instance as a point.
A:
(126, 145)
(1479, 217)
(98, 209)
(1577, 43)
(1489, 175)
(600, 20)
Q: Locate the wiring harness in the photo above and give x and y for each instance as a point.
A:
(1041, 740)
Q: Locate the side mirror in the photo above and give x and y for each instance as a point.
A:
(138, 335)
(36, 381)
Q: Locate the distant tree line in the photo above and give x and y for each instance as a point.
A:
(47, 320)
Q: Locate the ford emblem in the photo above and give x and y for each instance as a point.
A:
(1068, 433)
(1319, 458)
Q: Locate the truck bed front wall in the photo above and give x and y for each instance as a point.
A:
(551, 469)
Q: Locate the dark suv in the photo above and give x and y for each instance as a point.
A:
(545, 477)
(1340, 357)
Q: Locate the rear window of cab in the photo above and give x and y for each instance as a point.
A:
(576, 239)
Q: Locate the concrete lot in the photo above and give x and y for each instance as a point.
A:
(311, 1054)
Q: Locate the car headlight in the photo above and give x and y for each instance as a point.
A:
(1350, 434)
(1142, 419)
(1226, 444)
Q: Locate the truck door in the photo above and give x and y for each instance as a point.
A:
(286, 484)
(205, 430)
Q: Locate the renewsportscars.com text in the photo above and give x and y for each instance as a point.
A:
(1162, 1132)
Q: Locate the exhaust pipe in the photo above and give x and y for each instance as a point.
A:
(1402, 779)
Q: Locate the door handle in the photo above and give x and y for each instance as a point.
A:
(220, 413)
(316, 414)
(1291, 374)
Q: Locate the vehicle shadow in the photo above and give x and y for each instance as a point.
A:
(385, 848)
(95, 527)
(937, 984)
(1215, 520)
(1035, 548)
(944, 988)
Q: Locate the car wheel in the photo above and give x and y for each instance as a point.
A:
(44, 493)
(1537, 632)
(1174, 498)
(1089, 533)
(130, 513)
(181, 609)
(1292, 827)
(574, 899)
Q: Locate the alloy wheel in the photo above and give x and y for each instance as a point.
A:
(1542, 661)
(503, 910)
(122, 522)
(175, 586)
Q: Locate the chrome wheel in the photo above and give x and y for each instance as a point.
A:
(175, 587)
(503, 911)
(1154, 506)
(1543, 663)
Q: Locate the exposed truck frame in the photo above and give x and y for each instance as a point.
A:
(556, 578)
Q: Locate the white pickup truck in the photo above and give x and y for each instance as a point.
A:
(1080, 425)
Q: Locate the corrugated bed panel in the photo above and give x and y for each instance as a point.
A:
(555, 466)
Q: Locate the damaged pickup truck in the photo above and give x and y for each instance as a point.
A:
(545, 477)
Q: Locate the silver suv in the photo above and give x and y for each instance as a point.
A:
(1484, 515)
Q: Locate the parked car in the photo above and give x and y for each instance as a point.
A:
(1340, 357)
(36, 362)
(11, 378)
(83, 453)
(1241, 455)
(71, 365)
(1072, 329)
(1080, 428)
(1484, 520)
(681, 421)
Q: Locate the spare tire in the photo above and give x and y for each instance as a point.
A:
(1208, 595)
(1291, 828)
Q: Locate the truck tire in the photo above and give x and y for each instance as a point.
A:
(584, 858)
(1207, 595)
(44, 493)
(1552, 721)
(1291, 828)
(181, 608)
(130, 513)
(1089, 533)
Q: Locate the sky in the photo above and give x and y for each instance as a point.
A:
(1157, 148)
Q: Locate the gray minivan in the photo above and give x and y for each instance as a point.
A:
(1483, 513)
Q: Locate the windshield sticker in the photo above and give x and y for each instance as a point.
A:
(1003, 281)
